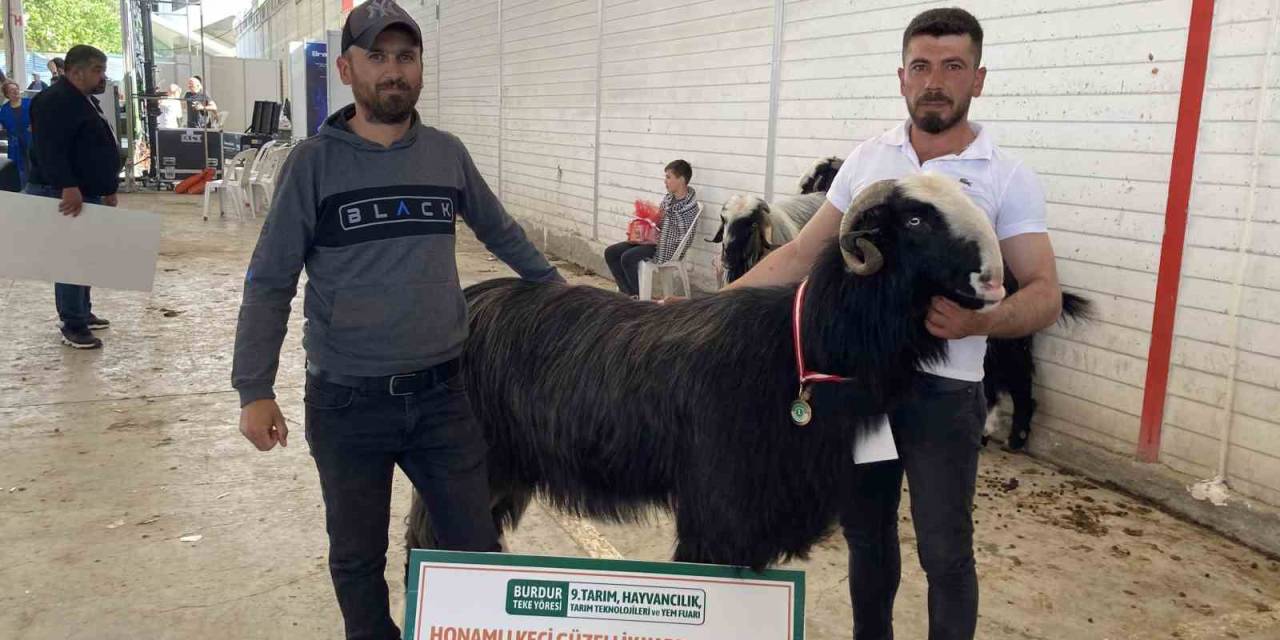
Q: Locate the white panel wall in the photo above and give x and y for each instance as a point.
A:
(339, 94)
(549, 66)
(469, 80)
(1112, 107)
(291, 21)
(1085, 91)
(235, 83)
(1237, 192)
(224, 82)
(262, 80)
(424, 12)
(689, 81)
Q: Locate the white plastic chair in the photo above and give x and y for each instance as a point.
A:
(242, 184)
(233, 177)
(675, 265)
(261, 165)
(264, 179)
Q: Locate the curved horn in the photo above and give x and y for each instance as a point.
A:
(871, 261)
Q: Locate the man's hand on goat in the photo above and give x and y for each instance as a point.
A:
(950, 321)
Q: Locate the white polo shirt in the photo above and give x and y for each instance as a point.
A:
(997, 182)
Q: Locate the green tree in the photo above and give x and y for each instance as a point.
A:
(58, 25)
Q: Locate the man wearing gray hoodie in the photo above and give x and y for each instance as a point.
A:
(368, 207)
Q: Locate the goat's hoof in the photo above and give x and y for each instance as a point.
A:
(1018, 441)
(985, 440)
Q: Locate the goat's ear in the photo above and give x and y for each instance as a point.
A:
(719, 234)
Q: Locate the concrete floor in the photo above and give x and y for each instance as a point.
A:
(108, 458)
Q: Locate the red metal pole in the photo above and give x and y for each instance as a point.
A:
(1181, 176)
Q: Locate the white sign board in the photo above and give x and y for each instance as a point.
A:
(452, 596)
(102, 247)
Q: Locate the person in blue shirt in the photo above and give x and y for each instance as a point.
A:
(15, 117)
(37, 84)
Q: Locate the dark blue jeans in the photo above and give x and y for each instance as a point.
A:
(72, 300)
(18, 154)
(357, 439)
(938, 433)
(624, 260)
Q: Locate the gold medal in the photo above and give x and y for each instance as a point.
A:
(801, 412)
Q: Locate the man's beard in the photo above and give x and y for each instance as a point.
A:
(931, 121)
(387, 108)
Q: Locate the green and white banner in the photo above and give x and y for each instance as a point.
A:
(483, 596)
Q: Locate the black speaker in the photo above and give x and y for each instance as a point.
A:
(255, 123)
(273, 120)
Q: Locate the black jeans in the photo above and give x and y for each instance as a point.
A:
(938, 433)
(357, 439)
(624, 261)
(72, 300)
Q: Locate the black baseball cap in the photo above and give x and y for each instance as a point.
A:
(370, 19)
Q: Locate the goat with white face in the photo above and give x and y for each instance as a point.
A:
(750, 228)
(610, 408)
(750, 231)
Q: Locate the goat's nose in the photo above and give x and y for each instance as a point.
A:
(989, 281)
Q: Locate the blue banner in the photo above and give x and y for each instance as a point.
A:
(317, 73)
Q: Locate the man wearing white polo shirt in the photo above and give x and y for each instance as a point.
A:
(938, 429)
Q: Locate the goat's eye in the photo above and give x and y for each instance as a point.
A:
(914, 222)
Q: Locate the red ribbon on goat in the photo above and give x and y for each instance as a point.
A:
(801, 412)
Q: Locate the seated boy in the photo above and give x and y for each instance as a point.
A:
(679, 212)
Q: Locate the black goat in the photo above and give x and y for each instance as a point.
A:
(1011, 369)
(821, 176)
(609, 408)
(747, 229)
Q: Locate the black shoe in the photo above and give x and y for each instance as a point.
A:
(98, 324)
(81, 339)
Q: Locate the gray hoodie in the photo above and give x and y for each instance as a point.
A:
(374, 228)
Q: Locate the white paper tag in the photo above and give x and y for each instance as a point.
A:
(875, 443)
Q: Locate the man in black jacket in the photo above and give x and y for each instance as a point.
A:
(74, 158)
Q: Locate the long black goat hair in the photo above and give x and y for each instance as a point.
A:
(609, 408)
